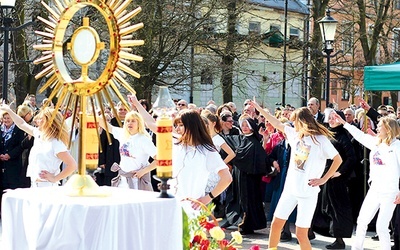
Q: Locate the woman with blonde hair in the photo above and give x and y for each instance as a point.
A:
(49, 149)
(384, 193)
(310, 148)
(26, 113)
(135, 148)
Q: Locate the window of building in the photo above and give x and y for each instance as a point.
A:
(294, 37)
(274, 38)
(206, 77)
(347, 37)
(397, 4)
(209, 25)
(346, 89)
(396, 43)
(274, 27)
(294, 33)
(254, 27)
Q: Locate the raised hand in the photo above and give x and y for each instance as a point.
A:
(4, 106)
(132, 99)
(338, 118)
(254, 104)
(364, 104)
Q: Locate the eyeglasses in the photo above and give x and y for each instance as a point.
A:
(181, 104)
(230, 121)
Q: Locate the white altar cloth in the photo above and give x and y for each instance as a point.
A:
(46, 218)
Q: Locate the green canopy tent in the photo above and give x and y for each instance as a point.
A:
(382, 77)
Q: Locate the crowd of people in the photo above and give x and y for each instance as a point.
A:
(307, 167)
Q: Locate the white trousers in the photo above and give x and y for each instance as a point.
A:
(372, 202)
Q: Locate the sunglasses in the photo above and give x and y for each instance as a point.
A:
(181, 104)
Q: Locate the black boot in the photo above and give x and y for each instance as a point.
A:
(338, 244)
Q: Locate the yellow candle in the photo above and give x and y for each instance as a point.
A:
(164, 147)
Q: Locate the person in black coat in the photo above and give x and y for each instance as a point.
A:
(335, 202)
(10, 153)
(110, 153)
(244, 196)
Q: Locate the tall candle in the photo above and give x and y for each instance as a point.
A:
(164, 147)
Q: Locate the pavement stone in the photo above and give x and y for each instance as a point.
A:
(260, 238)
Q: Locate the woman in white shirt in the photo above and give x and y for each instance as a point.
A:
(214, 127)
(384, 175)
(135, 149)
(311, 148)
(194, 157)
(49, 148)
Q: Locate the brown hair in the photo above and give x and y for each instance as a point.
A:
(308, 125)
(196, 133)
(213, 118)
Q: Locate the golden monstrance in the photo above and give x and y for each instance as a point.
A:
(85, 91)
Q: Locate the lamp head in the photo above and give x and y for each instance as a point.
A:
(7, 4)
(164, 106)
(6, 7)
(328, 27)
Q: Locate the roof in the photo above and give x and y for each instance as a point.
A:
(293, 5)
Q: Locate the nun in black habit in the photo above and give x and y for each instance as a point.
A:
(244, 197)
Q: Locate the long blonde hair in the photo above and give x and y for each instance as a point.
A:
(392, 129)
(56, 129)
(308, 125)
(141, 127)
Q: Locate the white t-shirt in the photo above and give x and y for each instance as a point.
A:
(307, 161)
(218, 141)
(135, 150)
(213, 178)
(191, 168)
(43, 155)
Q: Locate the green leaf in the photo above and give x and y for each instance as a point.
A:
(186, 231)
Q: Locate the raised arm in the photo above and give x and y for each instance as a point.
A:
(270, 118)
(17, 119)
(148, 119)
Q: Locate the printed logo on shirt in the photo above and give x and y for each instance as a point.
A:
(301, 154)
(124, 149)
(377, 159)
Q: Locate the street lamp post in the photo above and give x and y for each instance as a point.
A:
(328, 29)
(7, 6)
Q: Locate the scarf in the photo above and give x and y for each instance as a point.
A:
(7, 132)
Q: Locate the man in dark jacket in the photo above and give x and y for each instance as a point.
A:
(110, 153)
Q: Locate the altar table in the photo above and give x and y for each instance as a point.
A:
(46, 218)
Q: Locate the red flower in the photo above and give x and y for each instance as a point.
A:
(256, 247)
(204, 244)
(196, 239)
(207, 225)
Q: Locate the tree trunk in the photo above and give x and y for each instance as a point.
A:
(317, 60)
(229, 53)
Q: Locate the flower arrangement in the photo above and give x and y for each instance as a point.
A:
(207, 235)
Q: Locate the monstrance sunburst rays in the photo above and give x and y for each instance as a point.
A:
(84, 47)
(113, 78)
